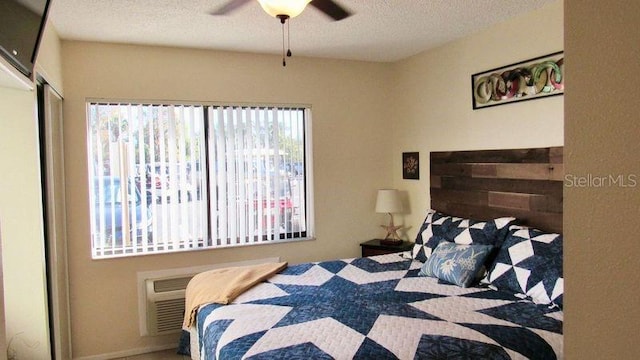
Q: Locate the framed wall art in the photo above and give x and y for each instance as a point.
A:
(411, 165)
(527, 80)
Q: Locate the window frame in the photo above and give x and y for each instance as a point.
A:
(209, 243)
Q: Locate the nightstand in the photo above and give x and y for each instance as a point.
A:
(374, 247)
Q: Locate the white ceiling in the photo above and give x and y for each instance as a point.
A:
(379, 30)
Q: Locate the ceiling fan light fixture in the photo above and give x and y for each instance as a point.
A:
(291, 8)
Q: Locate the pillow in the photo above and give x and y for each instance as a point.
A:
(431, 233)
(456, 264)
(491, 232)
(467, 231)
(439, 227)
(530, 263)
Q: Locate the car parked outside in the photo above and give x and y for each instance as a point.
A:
(280, 205)
(108, 211)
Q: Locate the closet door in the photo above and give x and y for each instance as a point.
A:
(55, 219)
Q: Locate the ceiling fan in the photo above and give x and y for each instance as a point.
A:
(285, 9)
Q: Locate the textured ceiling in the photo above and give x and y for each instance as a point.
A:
(379, 30)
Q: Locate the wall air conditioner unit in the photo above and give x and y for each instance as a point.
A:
(161, 295)
(165, 304)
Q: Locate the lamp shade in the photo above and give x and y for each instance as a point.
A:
(292, 8)
(388, 201)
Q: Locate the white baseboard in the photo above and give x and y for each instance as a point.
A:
(131, 352)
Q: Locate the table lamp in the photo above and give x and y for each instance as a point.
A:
(388, 201)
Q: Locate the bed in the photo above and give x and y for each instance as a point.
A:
(487, 286)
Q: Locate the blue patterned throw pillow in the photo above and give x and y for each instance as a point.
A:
(530, 263)
(455, 263)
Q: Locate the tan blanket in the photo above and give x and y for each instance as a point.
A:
(222, 286)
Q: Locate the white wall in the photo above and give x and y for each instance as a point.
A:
(22, 227)
(432, 108)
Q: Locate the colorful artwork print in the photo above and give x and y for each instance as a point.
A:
(411, 165)
(527, 80)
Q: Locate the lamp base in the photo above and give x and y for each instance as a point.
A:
(392, 232)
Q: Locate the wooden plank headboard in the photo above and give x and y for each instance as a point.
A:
(525, 183)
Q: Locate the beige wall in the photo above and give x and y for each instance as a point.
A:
(22, 227)
(350, 148)
(3, 331)
(353, 156)
(601, 227)
(49, 63)
(432, 108)
(602, 313)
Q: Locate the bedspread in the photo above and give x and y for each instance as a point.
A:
(374, 308)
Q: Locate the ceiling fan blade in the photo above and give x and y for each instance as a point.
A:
(331, 8)
(229, 7)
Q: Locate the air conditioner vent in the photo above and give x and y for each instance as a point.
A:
(169, 315)
(165, 285)
(161, 295)
(165, 304)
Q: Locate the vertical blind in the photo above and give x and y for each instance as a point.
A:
(252, 152)
(167, 178)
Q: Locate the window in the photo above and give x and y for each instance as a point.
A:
(167, 178)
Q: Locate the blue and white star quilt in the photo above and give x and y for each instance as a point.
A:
(374, 308)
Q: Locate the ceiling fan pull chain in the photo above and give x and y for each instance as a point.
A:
(288, 39)
(284, 62)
